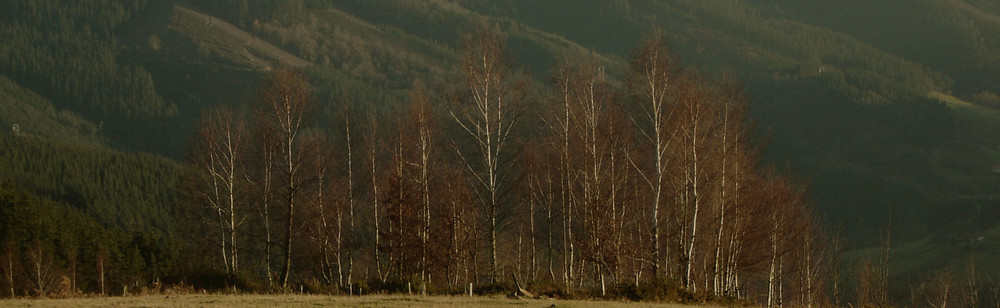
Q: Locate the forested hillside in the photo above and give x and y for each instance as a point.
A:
(885, 111)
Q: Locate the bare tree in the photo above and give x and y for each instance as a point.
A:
(938, 291)
(219, 157)
(694, 117)
(373, 153)
(564, 80)
(102, 263)
(970, 291)
(811, 262)
(489, 119)
(599, 139)
(651, 80)
(285, 110)
(461, 222)
(262, 176)
(783, 208)
(9, 266)
(873, 278)
(541, 162)
(744, 217)
(72, 256)
(321, 162)
(731, 156)
(422, 119)
(995, 290)
(349, 166)
(399, 201)
(41, 269)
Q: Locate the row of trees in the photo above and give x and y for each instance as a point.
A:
(594, 187)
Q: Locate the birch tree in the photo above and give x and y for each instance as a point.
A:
(9, 266)
(421, 119)
(694, 117)
(488, 118)
(286, 108)
(564, 81)
(600, 143)
(219, 159)
(652, 75)
(327, 213)
(731, 160)
(785, 227)
(40, 269)
(262, 178)
(349, 193)
(373, 160)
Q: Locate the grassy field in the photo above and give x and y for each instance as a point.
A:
(205, 300)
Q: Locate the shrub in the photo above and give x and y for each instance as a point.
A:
(658, 290)
(499, 287)
(314, 286)
(547, 288)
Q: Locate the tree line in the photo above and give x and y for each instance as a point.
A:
(611, 187)
(78, 219)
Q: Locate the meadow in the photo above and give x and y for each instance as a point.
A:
(215, 300)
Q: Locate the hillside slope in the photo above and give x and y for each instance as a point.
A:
(839, 89)
(217, 38)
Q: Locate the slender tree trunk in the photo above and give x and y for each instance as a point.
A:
(781, 281)
(564, 80)
(689, 254)
(222, 237)
(263, 205)
(266, 216)
(9, 266)
(373, 156)
(350, 193)
(339, 249)
(326, 265)
(493, 235)
(456, 258)
(102, 255)
(231, 146)
(531, 237)
(774, 274)
(807, 251)
(286, 270)
(732, 284)
(401, 236)
(773, 269)
(550, 223)
(423, 118)
(716, 272)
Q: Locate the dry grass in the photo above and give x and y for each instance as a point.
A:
(204, 300)
(230, 42)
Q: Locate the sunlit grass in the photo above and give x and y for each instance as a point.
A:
(957, 103)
